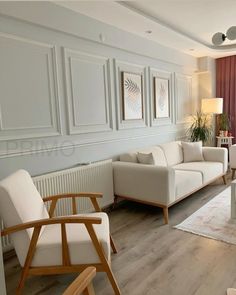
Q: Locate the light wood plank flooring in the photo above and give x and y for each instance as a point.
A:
(153, 259)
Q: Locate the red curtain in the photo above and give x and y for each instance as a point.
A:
(226, 87)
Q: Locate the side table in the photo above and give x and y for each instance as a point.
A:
(224, 140)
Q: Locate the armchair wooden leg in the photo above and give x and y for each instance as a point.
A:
(112, 280)
(233, 173)
(21, 284)
(105, 264)
(166, 215)
(224, 179)
(28, 260)
(113, 246)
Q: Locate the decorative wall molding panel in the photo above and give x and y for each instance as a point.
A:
(40, 67)
(183, 98)
(88, 92)
(168, 78)
(29, 103)
(121, 66)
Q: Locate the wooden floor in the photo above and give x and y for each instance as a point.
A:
(153, 259)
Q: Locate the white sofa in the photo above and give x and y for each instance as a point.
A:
(170, 179)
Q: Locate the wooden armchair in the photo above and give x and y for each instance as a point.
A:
(83, 283)
(48, 245)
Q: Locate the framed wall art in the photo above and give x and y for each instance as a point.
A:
(132, 96)
(161, 98)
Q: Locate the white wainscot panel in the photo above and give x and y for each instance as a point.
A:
(120, 68)
(161, 90)
(88, 92)
(184, 100)
(29, 102)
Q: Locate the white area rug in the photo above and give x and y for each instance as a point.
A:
(213, 220)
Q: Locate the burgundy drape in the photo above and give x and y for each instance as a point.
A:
(226, 87)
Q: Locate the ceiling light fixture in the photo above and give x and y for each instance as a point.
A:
(218, 38)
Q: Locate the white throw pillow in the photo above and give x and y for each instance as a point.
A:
(192, 151)
(145, 158)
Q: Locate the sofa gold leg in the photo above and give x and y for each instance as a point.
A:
(224, 179)
(233, 173)
(166, 215)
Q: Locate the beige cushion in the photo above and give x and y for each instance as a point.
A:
(192, 151)
(209, 170)
(157, 152)
(158, 155)
(20, 202)
(129, 157)
(186, 182)
(144, 158)
(82, 251)
(173, 152)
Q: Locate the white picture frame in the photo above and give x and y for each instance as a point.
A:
(161, 98)
(132, 96)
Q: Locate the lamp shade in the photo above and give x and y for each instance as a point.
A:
(212, 105)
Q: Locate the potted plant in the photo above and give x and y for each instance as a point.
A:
(200, 128)
(223, 124)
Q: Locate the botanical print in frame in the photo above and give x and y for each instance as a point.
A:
(161, 98)
(132, 96)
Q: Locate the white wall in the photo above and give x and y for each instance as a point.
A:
(60, 96)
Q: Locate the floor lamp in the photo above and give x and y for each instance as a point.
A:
(213, 106)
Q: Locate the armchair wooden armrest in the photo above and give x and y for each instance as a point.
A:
(58, 220)
(93, 197)
(37, 225)
(83, 283)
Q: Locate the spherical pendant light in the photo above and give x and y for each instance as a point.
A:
(231, 33)
(218, 38)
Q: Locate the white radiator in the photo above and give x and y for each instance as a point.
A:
(96, 177)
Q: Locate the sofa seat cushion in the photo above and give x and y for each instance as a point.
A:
(186, 182)
(209, 170)
(82, 251)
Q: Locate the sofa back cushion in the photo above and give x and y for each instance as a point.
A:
(173, 152)
(158, 156)
(129, 157)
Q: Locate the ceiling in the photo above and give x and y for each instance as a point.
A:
(186, 25)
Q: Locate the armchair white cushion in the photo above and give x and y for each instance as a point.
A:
(82, 251)
(20, 202)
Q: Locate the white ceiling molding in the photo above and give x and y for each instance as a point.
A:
(131, 5)
(185, 25)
